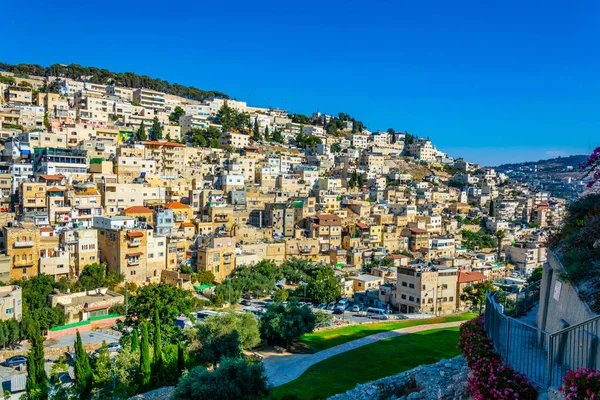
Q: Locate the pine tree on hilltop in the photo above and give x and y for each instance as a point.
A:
(83, 370)
(145, 359)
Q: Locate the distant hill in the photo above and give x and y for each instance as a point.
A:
(105, 77)
(551, 166)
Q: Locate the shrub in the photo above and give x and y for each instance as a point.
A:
(490, 378)
(581, 384)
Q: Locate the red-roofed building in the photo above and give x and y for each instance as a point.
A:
(464, 280)
(140, 212)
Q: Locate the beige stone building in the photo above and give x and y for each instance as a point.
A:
(426, 290)
(11, 305)
(23, 247)
(124, 251)
(217, 255)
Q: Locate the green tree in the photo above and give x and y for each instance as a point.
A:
(335, 148)
(158, 366)
(278, 137)
(491, 211)
(232, 379)
(535, 276)
(156, 130)
(169, 300)
(127, 373)
(83, 371)
(135, 339)
(37, 380)
(256, 128)
(140, 134)
(281, 295)
(282, 325)
(176, 114)
(224, 335)
(500, 235)
(475, 294)
(180, 358)
(360, 181)
(102, 376)
(323, 287)
(46, 120)
(145, 370)
(168, 137)
(267, 132)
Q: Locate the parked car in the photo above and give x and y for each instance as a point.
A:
(308, 304)
(322, 306)
(331, 305)
(356, 308)
(15, 361)
(115, 346)
(338, 310)
(246, 302)
(249, 296)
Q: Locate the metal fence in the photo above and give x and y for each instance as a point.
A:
(544, 357)
(523, 301)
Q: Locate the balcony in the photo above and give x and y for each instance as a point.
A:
(20, 245)
(135, 242)
(221, 218)
(179, 217)
(133, 261)
(23, 264)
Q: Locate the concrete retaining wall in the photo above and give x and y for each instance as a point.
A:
(560, 305)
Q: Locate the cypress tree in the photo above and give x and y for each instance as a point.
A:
(156, 132)
(492, 210)
(135, 340)
(83, 370)
(37, 380)
(158, 357)
(180, 358)
(145, 358)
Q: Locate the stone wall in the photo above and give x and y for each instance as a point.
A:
(445, 380)
(560, 305)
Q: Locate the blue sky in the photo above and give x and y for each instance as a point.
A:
(493, 81)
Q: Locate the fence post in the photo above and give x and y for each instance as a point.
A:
(507, 338)
(550, 359)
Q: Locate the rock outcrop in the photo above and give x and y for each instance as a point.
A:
(445, 380)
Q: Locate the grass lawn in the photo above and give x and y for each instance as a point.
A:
(332, 337)
(384, 358)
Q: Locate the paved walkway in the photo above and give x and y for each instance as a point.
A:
(284, 368)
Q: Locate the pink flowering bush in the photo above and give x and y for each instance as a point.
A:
(592, 165)
(581, 384)
(490, 378)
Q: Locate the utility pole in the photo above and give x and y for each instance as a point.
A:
(126, 298)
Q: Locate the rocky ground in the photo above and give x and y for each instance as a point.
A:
(445, 380)
(158, 394)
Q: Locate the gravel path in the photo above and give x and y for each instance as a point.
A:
(284, 368)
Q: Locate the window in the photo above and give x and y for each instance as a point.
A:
(161, 254)
(404, 284)
(411, 285)
(403, 297)
(444, 286)
(9, 310)
(411, 298)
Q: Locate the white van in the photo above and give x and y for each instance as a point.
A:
(376, 313)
